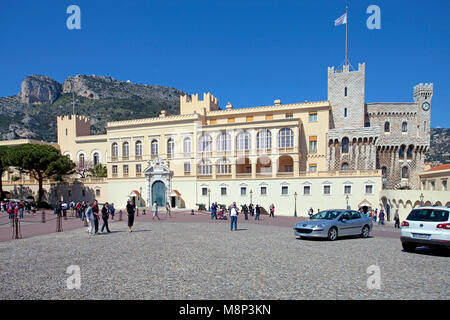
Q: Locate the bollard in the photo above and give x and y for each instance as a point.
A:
(143, 212)
(137, 212)
(16, 228)
(59, 223)
(192, 212)
(43, 217)
(120, 215)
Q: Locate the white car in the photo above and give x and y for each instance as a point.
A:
(426, 226)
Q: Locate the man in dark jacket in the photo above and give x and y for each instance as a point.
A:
(105, 216)
(130, 211)
(95, 211)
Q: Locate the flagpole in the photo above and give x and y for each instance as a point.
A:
(346, 23)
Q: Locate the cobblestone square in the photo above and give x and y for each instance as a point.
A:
(204, 260)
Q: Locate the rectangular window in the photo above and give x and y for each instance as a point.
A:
(313, 167)
(313, 144)
(284, 190)
(213, 121)
(263, 191)
(230, 120)
(306, 190)
(138, 169)
(249, 118)
(204, 191)
(289, 115)
(347, 189)
(269, 116)
(223, 191)
(433, 186)
(69, 193)
(243, 191)
(326, 189)
(125, 169)
(444, 185)
(83, 192)
(114, 170)
(187, 167)
(313, 117)
(345, 113)
(97, 192)
(369, 189)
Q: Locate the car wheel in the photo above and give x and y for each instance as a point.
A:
(332, 234)
(408, 247)
(365, 232)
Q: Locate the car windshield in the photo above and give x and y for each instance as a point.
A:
(326, 215)
(428, 215)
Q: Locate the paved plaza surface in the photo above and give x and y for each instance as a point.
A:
(204, 260)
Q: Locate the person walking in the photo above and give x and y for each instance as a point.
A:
(168, 209)
(213, 209)
(105, 216)
(89, 216)
(310, 212)
(155, 210)
(374, 215)
(381, 218)
(20, 207)
(245, 209)
(112, 210)
(95, 211)
(397, 220)
(233, 216)
(272, 210)
(130, 211)
(251, 208)
(257, 211)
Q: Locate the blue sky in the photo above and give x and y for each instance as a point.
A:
(243, 51)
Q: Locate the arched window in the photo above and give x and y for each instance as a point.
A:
(154, 147)
(138, 148)
(345, 142)
(401, 152)
(405, 127)
(243, 141)
(204, 167)
(114, 150)
(223, 166)
(205, 143)
(409, 152)
(125, 149)
(264, 139)
(224, 142)
(384, 172)
(344, 166)
(286, 138)
(81, 159)
(387, 126)
(96, 158)
(405, 172)
(170, 147)
(187, 145)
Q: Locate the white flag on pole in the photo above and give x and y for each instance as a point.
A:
(341, 20)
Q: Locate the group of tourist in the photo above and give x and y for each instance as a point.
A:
(17, 208)
(220, 212)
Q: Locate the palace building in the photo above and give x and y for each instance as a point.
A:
(324, 154)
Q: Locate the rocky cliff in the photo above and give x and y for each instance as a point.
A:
(32, 113)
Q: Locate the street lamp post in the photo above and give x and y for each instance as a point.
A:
(421, 199)
(251, 193)
(295, 204)
(346, 198)
(209, 200)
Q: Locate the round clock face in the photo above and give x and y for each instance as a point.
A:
(425, 106)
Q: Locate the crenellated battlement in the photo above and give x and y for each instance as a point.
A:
(193, 104)
(423, 91)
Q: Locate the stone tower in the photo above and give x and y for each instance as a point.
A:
(346, 93)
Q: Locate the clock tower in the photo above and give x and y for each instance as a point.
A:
(422, 97)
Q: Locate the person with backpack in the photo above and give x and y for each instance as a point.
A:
(105, 216)
(258, 211)
(233, 216)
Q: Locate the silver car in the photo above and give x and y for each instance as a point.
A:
(333, 223)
